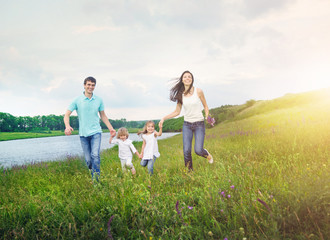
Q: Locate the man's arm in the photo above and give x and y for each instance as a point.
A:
(105, 119)
(68, 129)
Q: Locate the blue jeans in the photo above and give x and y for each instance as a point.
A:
(188, 130)
(149, 163)
(91, 147)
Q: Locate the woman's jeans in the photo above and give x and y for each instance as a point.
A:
(91, 147)
(149, 163)
(188, 130)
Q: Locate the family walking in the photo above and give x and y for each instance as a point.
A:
(90, 109)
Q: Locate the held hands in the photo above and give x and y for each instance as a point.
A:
(138, 154)
(68, 131)
(112, 135)
(113, 132)
(160, 124)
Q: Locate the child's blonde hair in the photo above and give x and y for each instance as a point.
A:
(122, 132)
(144, 130)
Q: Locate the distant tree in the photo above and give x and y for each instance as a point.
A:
(21, 124)
(7, 122)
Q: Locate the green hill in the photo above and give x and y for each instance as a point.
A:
(269, 180)
(253, 107)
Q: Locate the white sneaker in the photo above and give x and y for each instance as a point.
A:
(209, 157)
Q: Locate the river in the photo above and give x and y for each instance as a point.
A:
(34, 150)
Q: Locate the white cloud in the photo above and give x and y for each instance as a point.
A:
(133, 48)
(88, 29)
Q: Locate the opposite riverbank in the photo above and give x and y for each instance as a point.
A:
(6, 136)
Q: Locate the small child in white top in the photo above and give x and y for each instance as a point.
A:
(149, 151)
(125, 146)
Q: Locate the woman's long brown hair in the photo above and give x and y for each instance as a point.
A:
(178, 89)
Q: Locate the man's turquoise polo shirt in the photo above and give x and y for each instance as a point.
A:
(88, 114)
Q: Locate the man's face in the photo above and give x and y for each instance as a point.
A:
(89, 87)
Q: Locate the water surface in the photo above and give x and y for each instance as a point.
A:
(33, 150)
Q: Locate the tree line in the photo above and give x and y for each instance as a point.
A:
(10, 123)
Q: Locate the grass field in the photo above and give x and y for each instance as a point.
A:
(270, 180)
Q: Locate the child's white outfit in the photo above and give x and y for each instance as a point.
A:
(150, 153)
(124, 152)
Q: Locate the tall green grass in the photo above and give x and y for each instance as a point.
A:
(270, 180)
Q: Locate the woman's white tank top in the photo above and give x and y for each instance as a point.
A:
(192, 106)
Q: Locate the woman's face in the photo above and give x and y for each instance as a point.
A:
(187, 79)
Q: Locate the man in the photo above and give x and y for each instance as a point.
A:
(88, 106)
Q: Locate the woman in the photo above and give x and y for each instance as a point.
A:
(190, 97)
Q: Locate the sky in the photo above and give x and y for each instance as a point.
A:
(237, 50)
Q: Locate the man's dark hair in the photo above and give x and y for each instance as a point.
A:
(91, 79)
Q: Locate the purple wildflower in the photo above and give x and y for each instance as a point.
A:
(177, 208)
(179, 212)
(109, 227)
(229, 196)
(211, 120)
(190, 207)
(232, 186)
(265, 204)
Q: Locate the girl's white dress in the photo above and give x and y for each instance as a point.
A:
(151, 147)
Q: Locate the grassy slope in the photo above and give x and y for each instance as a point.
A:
(270, 180)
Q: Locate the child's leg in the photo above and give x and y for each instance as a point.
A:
(151, 165)
(144, 162)
(123, 163)
(129, 165)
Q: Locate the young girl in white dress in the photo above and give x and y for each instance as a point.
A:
(125, 146)
(149, 151)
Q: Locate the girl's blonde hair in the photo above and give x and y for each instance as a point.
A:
(144, 130)
(122, 132)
